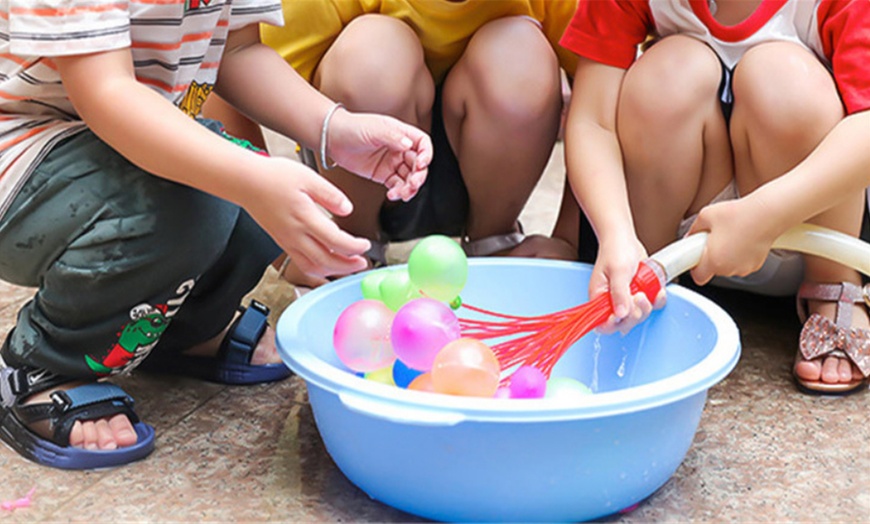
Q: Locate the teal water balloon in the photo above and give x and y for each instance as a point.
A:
(438, 267)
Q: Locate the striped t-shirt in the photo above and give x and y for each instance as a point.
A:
(176, 47)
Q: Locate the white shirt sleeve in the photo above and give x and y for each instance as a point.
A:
(67, 27)
(246, 12)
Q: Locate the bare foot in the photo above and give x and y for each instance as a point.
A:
(266, 351)
(833, 370)
(99, 434)
(541, 246)
(292, 274)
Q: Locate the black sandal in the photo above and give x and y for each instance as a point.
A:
(86, 402)
(232, 364)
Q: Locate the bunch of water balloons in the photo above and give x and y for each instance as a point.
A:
(404, 332)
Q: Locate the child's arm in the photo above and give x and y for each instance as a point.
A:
(282, 195)
(561, 244)
(742, 231)
(596, 175)
(258, 82)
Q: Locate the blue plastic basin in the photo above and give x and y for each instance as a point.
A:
(468, 459)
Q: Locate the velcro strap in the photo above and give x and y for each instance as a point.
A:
(490, 245)
(87, 402)
(244, 335)
(88, 395)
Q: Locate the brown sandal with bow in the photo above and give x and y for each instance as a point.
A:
(821, 337)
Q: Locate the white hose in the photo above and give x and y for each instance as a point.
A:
(684, 254)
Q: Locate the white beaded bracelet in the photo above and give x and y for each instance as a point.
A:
(323, 130)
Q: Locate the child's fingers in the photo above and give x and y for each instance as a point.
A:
(399, 189)
(403, 170)
(702, 273)
(608, 327)
(620, 294)
(328, 196)
(313, 257)
(419, 177)
(424, 150)
(661, 299)
(639, 312)
(335, 240)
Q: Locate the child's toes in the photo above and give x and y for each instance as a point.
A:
(808, 370)
(831, 370)
(105, 437)
(122, 430)
(77, 435)
(845, 369)
(89, 435)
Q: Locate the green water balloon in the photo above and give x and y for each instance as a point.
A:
(438, 267)
(396, 289)
(371, 284)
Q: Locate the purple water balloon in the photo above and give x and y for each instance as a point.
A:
(528, 382)
(420, 329)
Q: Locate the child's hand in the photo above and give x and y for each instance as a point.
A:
(738, 241)
(285, 200)
(382, 149)
(614, 269)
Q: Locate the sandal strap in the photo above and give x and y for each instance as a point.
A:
(493, 244)
(242, 337)
(26, 381)
(377, 254)
(88, 402)
(844, 293)
(85, 402)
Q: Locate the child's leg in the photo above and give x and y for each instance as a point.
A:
(673, 136)
(375, 65)
(786, 102)
(235, 123)
(115, 253)
(502, 103)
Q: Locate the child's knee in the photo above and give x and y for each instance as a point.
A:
(510, 69)
(377, 64)
(676, 77)
(784, 90)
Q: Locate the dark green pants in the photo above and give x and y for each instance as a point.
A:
(124, 262)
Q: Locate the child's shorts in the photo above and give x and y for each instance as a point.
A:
(441, 204)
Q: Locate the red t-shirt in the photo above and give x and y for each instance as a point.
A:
(836, 31)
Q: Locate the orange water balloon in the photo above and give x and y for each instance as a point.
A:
(467, 367)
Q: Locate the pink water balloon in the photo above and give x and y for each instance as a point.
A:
(361, 336)
(503, 392)
(420, 329)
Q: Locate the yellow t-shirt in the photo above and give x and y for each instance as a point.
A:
(444, 27)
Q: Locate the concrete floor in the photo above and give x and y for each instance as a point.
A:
(763, 451)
